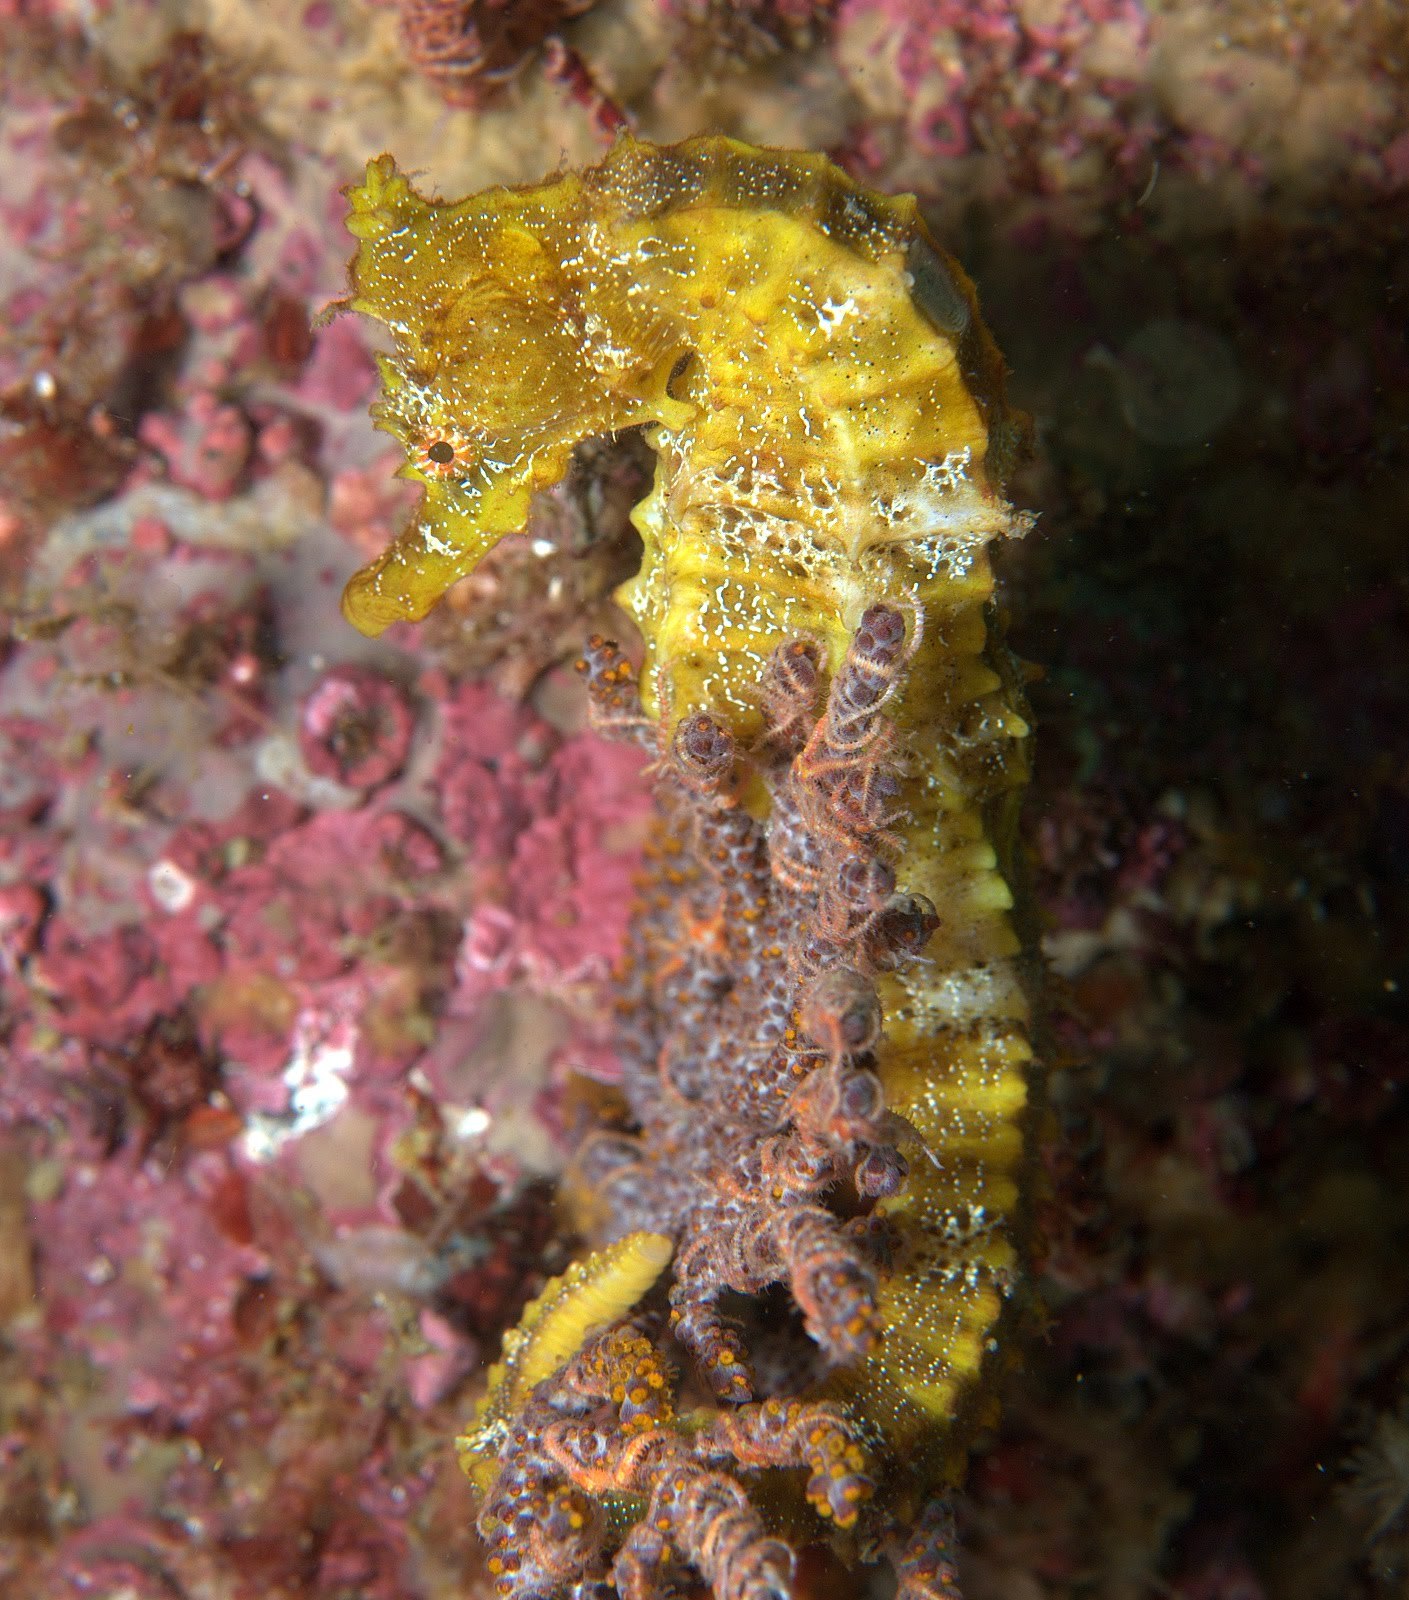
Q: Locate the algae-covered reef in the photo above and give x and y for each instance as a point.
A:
(310, 942)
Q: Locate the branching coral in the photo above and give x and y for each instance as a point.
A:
(822, 1024)
(473, 49)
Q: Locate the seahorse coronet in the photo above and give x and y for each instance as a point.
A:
(831, 433)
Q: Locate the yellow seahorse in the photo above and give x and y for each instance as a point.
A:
(829, 422)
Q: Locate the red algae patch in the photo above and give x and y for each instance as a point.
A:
(356, 727)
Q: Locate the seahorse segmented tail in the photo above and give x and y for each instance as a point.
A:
(828, 417)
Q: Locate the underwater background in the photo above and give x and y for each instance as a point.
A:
(306, 940)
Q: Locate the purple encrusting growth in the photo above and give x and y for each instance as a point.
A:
(747, 1014)
(752, 989)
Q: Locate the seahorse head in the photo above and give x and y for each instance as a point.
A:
(506, 354)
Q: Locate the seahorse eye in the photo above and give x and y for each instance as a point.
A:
(441, 452)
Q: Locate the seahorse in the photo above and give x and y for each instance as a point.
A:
(832, 437)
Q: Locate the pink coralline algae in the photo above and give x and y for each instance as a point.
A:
(544, 820)
(1079, 106)
(21, 912)
(339, 373)
(205, 448)
(135, 199)
(355, 727)
(249, 992)
(1012, 78)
